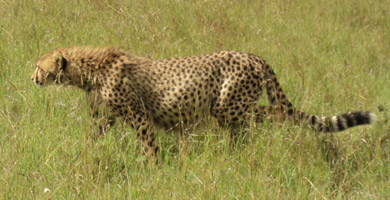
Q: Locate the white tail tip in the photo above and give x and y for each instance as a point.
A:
(372, 117)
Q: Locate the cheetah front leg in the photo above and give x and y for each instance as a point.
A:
(135, 114)
(141, 122)
(146, 135)
(99, 112)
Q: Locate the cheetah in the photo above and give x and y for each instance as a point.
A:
(144, 92)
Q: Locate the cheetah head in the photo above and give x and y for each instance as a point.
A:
(50, 69)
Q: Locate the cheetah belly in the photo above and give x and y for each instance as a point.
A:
(180, 104)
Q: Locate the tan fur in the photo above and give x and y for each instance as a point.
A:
(175, 91)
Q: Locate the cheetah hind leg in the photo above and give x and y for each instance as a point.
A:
(105, 123)
(272, 113)
(236, 129)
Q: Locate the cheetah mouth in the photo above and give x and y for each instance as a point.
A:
(37, 83)
(43, 83)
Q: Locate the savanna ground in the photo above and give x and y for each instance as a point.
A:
(330, 57)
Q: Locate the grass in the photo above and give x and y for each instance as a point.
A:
(330, 57)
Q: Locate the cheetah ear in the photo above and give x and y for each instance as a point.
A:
(60, 61)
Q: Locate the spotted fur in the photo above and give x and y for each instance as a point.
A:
(143, 92)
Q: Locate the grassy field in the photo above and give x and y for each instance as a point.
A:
(330, 57)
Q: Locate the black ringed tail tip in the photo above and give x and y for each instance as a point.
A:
(342, 122)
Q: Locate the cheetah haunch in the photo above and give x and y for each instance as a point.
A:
(144, 92)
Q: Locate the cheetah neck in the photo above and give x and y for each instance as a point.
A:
(85, 66)
(82, 66)
(82, 76)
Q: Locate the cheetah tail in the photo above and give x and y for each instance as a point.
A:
(281, 105)
(338, 122)
(321, 124)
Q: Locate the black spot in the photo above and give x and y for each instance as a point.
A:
(282, 109)
(313, 120)
(156, 150)
(273, 99)
(320, 127)
(301, 116)
(290, 112)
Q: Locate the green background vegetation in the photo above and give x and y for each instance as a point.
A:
(330, 57)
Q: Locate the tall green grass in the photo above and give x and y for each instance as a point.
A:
(330, 57)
